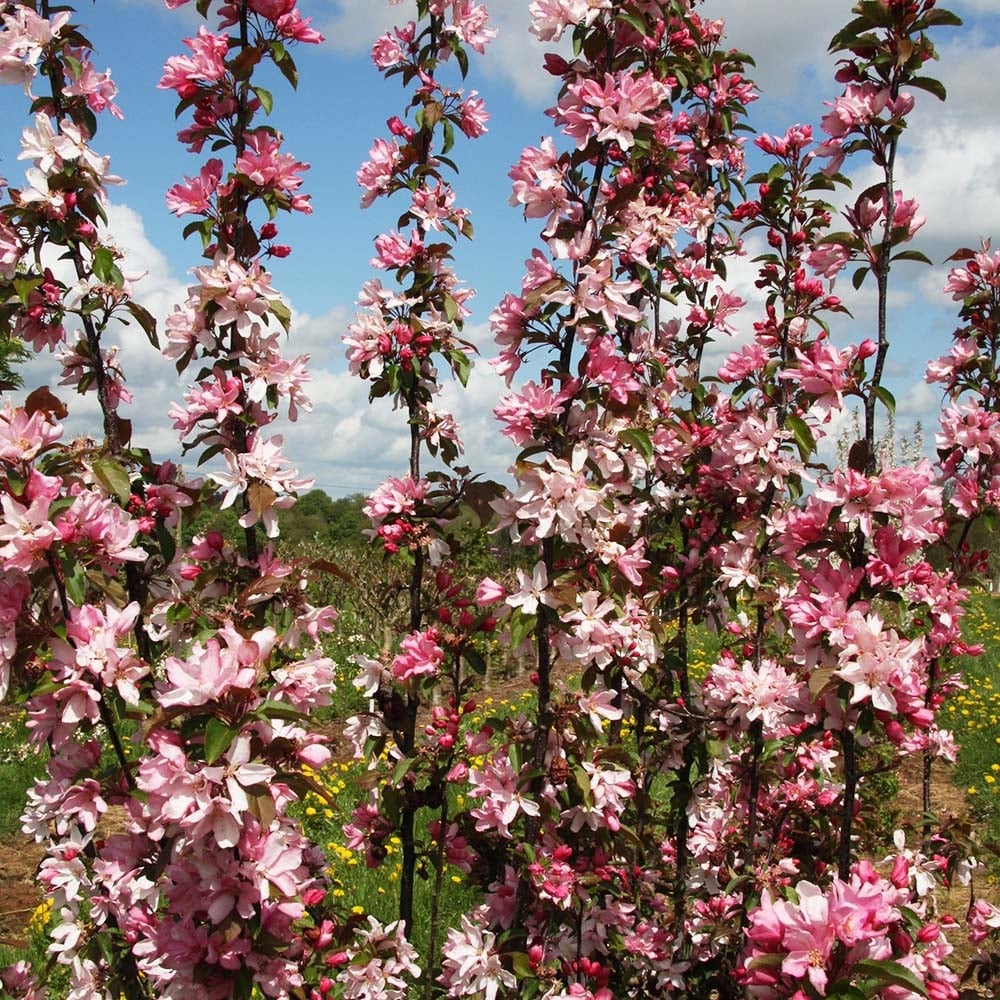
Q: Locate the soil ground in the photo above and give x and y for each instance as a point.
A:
(19, 893)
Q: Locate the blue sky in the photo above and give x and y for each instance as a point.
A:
(951, 165)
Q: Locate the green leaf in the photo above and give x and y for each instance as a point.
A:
(638, 439)
(887, 398)
(843, 989)
(76, 585)
(278, 710)
(25, 286)
(877, 13)
(942, 18)
(916, 255)
(935, 87)
(858, 278)
(890, 973)
(848, 33)
(460, 365)
(448, 130)
(803, 436)
(265, 97)
(146, 321)
(201, 226)
(640, 24)
(113, 477)
(520, 627)
(218, 736)
(279, 309)
(105, 269)
(475, 660)
(285, 63)
(844, 239)
(521, 964)
(462, 58)
(402, 768)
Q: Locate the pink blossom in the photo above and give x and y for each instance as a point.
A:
(206, 63)
(533, 590)
(22, 437)
(489, 592)
(213, 670)
(474, 116)
(263, 163)
(420, 656)
(195, 194)
(550, 18)
(376, 173)
(503, 800)
(472, 965)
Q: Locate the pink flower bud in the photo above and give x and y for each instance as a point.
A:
(900, 876)
(489, 592)
(929, 933)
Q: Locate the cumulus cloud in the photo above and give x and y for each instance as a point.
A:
(785, 38)
(514, 58)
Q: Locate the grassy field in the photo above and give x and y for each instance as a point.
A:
(19, 766)
(973, 714)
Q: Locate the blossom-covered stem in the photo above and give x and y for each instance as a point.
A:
(753, 794)
(395, 346)
(103, 708)
(112, 431)
(680, 814)
(882, 287)
(113, 425)
(407, 824)
(439, 867)
(851, 776)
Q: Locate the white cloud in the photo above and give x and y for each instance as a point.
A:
(514, 57)
(518, 56)
(358, 23)
(786, 38)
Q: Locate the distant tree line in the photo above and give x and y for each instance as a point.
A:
(316, 519)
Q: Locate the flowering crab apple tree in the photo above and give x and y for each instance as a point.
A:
(168, 683)
(640, 829)
(645, 832)
(397, 345)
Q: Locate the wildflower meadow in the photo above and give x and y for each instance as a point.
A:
(623, 724)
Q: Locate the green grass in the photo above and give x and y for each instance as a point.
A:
(974, 714)
(19, 767)
(375, 891)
